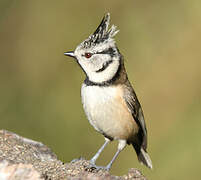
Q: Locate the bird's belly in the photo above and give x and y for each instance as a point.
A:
(108, 113)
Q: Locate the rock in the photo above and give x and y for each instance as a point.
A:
(18, 171)
(22, 158)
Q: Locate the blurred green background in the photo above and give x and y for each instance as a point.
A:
(40, 87)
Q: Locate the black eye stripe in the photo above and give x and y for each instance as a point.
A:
(109, 51)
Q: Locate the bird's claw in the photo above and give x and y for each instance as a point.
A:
(92, 166)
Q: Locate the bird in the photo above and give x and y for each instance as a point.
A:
(109, 101)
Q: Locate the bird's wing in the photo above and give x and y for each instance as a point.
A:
(136, 110)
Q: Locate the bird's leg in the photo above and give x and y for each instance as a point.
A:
(121, 146)
(95, 157)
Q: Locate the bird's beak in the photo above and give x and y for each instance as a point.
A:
(70, 53)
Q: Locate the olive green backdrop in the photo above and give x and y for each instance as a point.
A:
(40, 87)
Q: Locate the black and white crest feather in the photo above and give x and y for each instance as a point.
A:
(101, 34)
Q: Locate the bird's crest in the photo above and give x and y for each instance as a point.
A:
(101, 34)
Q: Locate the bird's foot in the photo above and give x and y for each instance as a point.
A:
(93, 166)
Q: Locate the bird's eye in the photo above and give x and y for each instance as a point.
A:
(88, 55)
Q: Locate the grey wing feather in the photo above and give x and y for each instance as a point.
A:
(137, 113)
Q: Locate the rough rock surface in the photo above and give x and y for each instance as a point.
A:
(22, 158)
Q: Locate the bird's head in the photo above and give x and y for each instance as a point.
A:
(98, 55)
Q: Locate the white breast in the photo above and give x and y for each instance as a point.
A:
(107, 111)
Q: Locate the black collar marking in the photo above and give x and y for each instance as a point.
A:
(105, 66)
(104, 83)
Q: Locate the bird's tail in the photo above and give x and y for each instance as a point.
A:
(143, 156)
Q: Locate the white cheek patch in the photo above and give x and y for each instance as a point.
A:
(106, 75)
(98, 61)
